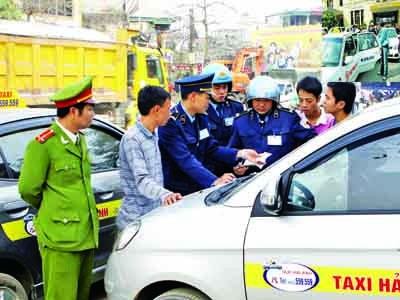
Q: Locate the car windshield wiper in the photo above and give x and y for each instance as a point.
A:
(216, 196)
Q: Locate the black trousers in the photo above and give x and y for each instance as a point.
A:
(384, 61)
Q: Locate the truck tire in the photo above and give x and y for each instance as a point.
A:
(11, 288)
(182, 294)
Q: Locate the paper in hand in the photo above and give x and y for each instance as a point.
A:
(261, 158)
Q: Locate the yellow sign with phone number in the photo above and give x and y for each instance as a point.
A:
(11, 99)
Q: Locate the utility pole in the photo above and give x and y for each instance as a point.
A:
(205, 23)
(191, 29)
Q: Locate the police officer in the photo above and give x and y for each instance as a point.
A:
(185, 141)
(267, 127)
(55, 179)
(221, 111)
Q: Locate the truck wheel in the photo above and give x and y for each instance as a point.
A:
(11, 288)
(182, 294)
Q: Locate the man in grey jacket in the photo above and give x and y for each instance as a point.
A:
(141, 171)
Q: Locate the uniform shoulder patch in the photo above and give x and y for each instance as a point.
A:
(174, 114)
(243, 113)
(45, 135)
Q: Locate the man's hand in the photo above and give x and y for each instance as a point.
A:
(248, 154)
(226, 178)
(240, 170)
(171, 199)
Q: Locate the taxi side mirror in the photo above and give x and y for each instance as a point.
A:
(270, 198)
(348, 60)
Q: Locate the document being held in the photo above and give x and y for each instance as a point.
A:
(261, 158)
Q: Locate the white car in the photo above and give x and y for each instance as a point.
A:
(321, 223)
(394, 43)
(288, 94)
(347, 55)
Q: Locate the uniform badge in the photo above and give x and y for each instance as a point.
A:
(29, 227)
(64, 141)
(182, 119)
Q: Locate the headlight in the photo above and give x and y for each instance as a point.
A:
(127, 235)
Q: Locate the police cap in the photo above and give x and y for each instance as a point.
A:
(196, 83)
(72, 94)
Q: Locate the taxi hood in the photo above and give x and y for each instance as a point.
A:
(213, 197)
(189, 202)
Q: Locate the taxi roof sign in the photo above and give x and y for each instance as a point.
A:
(11, 99)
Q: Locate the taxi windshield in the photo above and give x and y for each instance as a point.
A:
(332, 50)
(220, 195)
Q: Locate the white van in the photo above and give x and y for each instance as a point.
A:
(347, 55)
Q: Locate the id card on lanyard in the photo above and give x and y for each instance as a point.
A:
(204, 134)
(274, 140)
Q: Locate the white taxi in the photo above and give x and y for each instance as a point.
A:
(394, 43)
(288, 96)
(321, 223)
(347, 55)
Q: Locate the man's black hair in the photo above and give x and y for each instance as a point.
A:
(184, 96)
(62, 112)
(311, 85)
(344, 91)
(150, 96)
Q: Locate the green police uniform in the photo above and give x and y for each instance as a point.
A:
(55, 179)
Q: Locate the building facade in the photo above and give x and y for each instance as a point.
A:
(363, 12)
(295, 17)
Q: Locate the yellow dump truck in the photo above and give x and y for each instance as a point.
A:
(38, 59)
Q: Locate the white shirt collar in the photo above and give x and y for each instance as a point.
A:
(73, 137)
(323, 118)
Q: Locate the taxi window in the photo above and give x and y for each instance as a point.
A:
(332, 51)
(3, 167)
(154, 70)
(361, 177)
(103, 150)
(13, 146)
(366, 42)
(349, 47)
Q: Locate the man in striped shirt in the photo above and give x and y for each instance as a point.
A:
(141, 171)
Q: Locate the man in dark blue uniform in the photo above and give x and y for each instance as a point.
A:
(221, 112)
(185, 141)
(267, 127)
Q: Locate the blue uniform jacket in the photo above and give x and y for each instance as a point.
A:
(183, 152)
(280, 133)
(221, 126)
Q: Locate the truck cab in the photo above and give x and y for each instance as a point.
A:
(146, 66)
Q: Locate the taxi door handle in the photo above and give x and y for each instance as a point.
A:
(105, 195)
